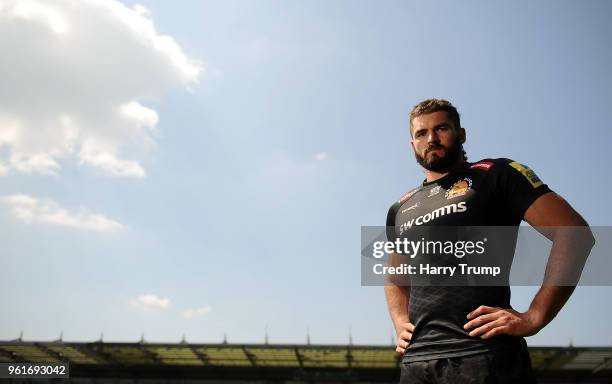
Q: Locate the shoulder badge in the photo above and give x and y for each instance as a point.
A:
(528, 173)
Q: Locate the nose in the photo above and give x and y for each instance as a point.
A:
(432, 137)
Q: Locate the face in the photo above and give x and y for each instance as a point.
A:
(436, 142)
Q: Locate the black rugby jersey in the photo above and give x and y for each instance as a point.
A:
(490, 192)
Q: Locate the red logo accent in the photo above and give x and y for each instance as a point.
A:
(406, 196)
(485, 165)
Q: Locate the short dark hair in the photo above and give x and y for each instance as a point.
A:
(435, 105)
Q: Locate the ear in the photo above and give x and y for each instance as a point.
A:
(462, 135)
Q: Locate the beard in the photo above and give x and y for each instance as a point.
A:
(441, 163)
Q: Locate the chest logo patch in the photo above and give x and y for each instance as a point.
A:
(460, 188)
(434, 191)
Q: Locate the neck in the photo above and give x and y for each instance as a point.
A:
(435, 175)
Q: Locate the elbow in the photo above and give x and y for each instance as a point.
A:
(579, 236)
(591, 240)
(586, 239)
(585, 234)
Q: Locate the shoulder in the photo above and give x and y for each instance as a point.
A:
(510, 174)
(402, 199)
(517, 169)
(490, 164)
(502, 166)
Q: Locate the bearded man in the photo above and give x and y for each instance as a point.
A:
(471, 334)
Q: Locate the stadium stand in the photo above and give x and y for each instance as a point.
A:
(152, 363)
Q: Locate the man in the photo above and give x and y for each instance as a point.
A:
(471, 334)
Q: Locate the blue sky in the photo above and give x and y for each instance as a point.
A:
(262, 172)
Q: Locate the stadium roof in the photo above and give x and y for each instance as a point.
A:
(271, 361)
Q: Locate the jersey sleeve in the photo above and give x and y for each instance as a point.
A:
(391, 234)
(517, 186)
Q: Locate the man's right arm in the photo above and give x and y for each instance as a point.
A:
(398, 298)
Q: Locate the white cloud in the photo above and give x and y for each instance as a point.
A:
(29, 209)
(190, 313)
(320, 156)
(75, 78)
(149, 301)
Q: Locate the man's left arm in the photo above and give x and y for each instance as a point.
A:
(572, 241)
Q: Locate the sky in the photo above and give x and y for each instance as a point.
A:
(203, 168)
